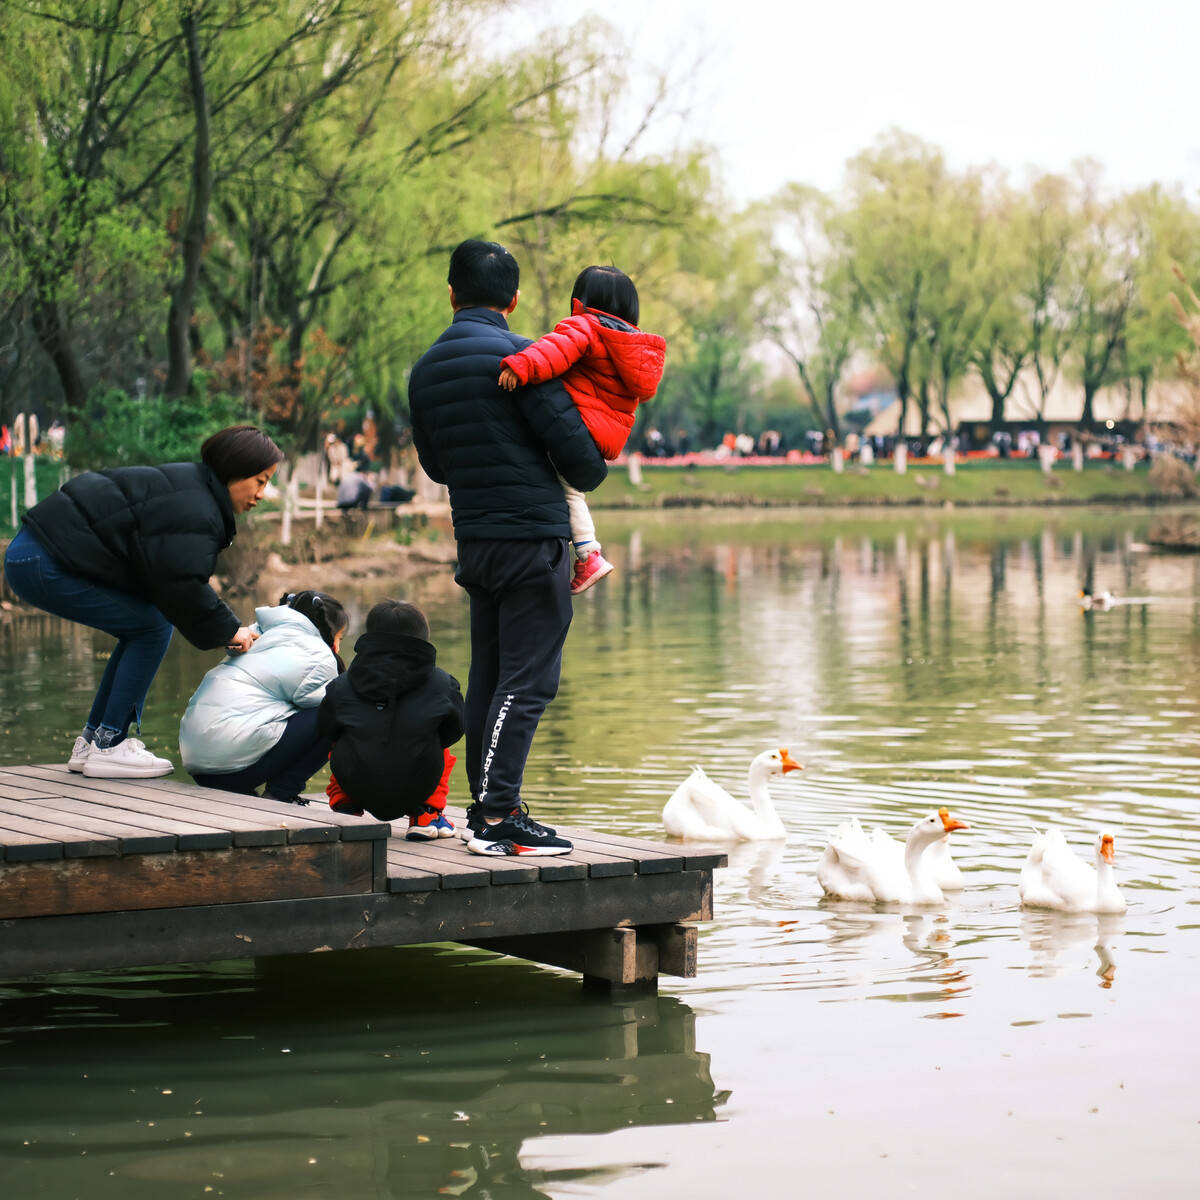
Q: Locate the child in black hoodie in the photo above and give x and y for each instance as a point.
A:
(391, 718)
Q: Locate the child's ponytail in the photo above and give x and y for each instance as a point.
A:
(326, 613)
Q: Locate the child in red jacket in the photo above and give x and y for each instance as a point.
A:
(608, 366)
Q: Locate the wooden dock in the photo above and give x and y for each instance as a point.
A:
(109, 873)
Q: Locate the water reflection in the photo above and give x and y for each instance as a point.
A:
(1060, 942)
(371, 1073)
(909, 663)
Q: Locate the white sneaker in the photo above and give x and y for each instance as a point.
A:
(126, 760)
(79, 754)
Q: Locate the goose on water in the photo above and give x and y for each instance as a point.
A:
(1099, 601)
(1055, 877)
(877, 869)
(702, 810)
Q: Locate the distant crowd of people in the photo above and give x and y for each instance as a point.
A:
(25, 436)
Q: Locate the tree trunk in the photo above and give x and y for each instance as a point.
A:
(53, 338)
(923, 405)
(183, 296)
(831, 409)
(1086, 419)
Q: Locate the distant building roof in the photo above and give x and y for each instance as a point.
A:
(1063, 405)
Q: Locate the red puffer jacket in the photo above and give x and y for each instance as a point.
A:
(607, 366)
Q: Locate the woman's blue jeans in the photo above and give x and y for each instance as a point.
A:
(142, 632)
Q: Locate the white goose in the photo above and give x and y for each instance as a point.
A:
(701, 810)
(1054, 876)
(876, 869)
(944, 868)
(1099, 601)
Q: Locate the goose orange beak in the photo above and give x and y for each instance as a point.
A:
(1107, 851)
(789, 763)
(949, 823)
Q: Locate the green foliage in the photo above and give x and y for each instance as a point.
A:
(306, 166)
(118, 430)
(48, 474)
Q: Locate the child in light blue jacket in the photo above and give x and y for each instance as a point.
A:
(253, 720)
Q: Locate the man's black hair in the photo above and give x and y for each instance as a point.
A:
(483, 275)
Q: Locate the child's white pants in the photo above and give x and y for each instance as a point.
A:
(583, 530)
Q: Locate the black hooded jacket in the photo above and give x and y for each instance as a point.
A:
(152, 531)
(389, 717)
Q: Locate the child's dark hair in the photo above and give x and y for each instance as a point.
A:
(483, 275)
(609, 290)
(239, 452)
(326, 613)
(398, 617)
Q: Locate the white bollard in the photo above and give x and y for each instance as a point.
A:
(30, 482)
(838, 460)
(1046, 457)
(900, 457)
(635, 469)
(948, 459)
(1077, 455)
(291, 506)
(1128, 458)
(13, 522)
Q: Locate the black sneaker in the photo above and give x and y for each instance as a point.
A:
(518, 833)
(270, 795)
(475, 820)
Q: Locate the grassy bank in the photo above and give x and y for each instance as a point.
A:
(48, 473)
(988, 482)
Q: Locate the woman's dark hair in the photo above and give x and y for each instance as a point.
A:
(398, 617)
(483, 275)
(609, 290)
(326, 613)
(239, 452)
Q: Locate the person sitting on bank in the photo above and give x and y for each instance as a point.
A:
(355, 490)
(252, 722)
(392, 719)
(129, 551)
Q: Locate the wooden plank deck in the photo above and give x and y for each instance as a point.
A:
(108, 873)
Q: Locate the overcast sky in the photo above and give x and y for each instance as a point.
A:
(789, 91)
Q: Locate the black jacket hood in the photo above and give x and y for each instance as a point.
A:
(387, 665)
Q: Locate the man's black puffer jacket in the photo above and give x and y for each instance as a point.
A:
(152, 531)
(389, 717)
(494, 448)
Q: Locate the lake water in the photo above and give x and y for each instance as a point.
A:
(824, 1047)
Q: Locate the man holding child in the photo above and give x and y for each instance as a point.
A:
(493, 450)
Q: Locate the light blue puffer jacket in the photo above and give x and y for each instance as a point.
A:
(242, 705)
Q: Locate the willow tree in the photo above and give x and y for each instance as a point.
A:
(1002, 347)
(890, 226)
(959, 293)
(77, 82)
(816, 317)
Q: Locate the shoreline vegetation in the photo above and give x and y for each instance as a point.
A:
(988, 483)
(417, 538)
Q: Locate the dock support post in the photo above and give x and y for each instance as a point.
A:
(624, 959)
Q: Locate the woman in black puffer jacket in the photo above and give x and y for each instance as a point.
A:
(130, 551)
